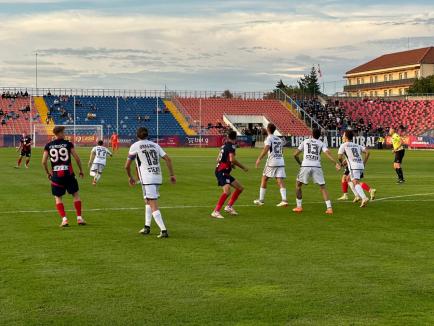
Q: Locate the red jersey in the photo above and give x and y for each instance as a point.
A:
(26, 143)
(224, 163)
(114, 138)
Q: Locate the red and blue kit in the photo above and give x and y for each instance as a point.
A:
(224, 166)
(63, 177)
(26, 146)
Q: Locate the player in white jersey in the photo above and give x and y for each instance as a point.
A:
(147, 155)
(274, 168)
(98, 161)
(311, 168)
(352, 154)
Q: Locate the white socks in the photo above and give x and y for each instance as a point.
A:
(97, 176)
(351, 185)
(283, 193)
(299, 202)
(159, 220)
(328, 204)
(360, 191)
(148, 215)
(262, 193)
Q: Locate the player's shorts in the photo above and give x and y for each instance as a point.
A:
(96, 167)
(356, 174)
(26, 153)
(151, 191)
(307, 172)
(399, 155)
(274, 172)
(347, 173)
(224, 178)
(64, 184)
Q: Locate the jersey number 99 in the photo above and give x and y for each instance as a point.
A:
(59, 154)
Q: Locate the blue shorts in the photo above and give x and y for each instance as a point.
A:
(224, 178)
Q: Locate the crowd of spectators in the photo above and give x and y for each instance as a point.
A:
(19, 94)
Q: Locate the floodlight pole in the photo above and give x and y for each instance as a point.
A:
(158, 131)
(74, 120)
(36, 72)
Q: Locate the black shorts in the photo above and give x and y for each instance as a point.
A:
(59, 185)
(224, 178)
(347, 172)
(399, 155)
(26, 153)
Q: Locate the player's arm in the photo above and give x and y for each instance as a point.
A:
(19, 147)
(235, 162)
(330, 156)
(131, 179)
(77, 159)
(170, 168)
(109, 153)
(297, 153)
(262, 155)
(366, 154)
(91, 158)
(45, 164)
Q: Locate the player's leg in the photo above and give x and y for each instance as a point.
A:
(148, 214)
(223, 181)
(367, 188)
(358, 188)
(344, 186)
(397, 165)
(281, 184)
(19, 160)
(326, 197)
(156, 214)
(28, 155)
(299, 197)
(237, 192)
(77, 206)
(61, 210)
(262, 191)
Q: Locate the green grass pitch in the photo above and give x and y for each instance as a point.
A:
(268, 266)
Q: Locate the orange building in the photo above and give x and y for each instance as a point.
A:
(391, 74)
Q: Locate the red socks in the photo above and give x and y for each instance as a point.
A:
(19, 161)
(77, 205)
(27, 162)
(344, 187)
(365, 187)
(221, 202)
(234, 197)
(61, 210)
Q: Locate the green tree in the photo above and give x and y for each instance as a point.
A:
(227, 94)
(423, 85)
(309, 83)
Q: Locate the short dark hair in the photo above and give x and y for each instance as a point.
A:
(232, 135)
(142, 133)
(271, 127)
(349, 134)
(58, 129)
(100, 142)
(316, 133)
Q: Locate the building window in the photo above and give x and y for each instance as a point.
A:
(400, 91)
(385, 92)
(349, 81)
(385, 78)
(371, 93)
(405, 75)
(400, 76)
(376, 79)
(416, 74)
(376, 93)
(363, 80)
(390, 92)
(390, 77)
(371, 79)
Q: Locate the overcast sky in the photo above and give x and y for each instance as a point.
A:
(200, 44)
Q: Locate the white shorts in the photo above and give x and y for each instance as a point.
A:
(315, 173)
(274, 172)
(151, 191)
(356, 174)
(96, 167)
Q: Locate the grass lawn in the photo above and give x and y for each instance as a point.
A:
(268, 266)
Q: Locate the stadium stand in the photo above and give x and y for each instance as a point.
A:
(99, 110)
(180, 118)
(15, 115)
(213, 110)
(373, 116)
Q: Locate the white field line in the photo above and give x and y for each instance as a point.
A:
(390, 199)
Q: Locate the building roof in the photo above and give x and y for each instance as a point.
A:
(397, 59)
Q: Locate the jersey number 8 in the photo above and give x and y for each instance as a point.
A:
(56, 154)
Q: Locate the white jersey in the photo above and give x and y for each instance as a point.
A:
(353, 155)
(275, 154)
(312, 149)
(101, 153)
(147, 155)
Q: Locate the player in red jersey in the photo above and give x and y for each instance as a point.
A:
(62, 176)
(114, 139)
(345, 183)
(225, 162)
(26, 150)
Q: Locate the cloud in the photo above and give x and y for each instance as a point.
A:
(226, 49)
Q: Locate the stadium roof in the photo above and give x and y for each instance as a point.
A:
(397, 59)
